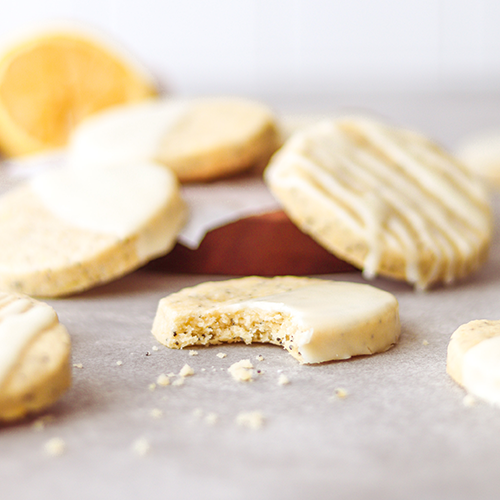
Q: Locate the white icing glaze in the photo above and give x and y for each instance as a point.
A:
(481, 154)
(336, 318)
(481, 370)
(124, 134)
(390, 187)
(21, 320)
(117, 201)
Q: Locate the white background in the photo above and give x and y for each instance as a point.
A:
(294, 47)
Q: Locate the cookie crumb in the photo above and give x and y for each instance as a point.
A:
(141, 447)
(78, 365)
(198, 413)
(221, 355)
(341, 393)
(163, 380)
(211, 418)
(469, 401)
(171, 374)
(193, 353)
(241, 371)
(39, 423)
(178, 381)
(155, 348)
(152, 386)
(156, 413)
(119, 363)
(55, 447)
(252, 420)
(259, 357)
(425, 342)
(283, 379)
(186, 371)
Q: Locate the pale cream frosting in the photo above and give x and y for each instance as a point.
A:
(125, 134)
(336, 319)
(21, 320)
(481, 370)
(117, 201)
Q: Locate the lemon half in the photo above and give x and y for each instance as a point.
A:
(51, 81)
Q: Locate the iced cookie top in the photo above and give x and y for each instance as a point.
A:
(391, 190)
(21, 320)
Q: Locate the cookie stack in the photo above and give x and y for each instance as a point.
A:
(350, 193)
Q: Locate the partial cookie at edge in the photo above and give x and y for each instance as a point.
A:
(35, 365)
(52, 250)
(473, 359)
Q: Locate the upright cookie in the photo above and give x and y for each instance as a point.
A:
(314, 320)
(200, 139)
(387, 200)
(68, 230)
(35, 356)
(473, 359)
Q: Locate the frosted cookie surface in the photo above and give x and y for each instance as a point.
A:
(314, 320)
(35, 367)
(384, 199)
(473, 359)
(65, 230)
(481, 154)
(199, 139)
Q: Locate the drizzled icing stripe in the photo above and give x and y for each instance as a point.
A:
(395, 189)
(432, 180)
(427, 214)
(21, 320)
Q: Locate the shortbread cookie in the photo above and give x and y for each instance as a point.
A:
(481, 154)
(35, 356)
(200, 139)
(384, 199)
(67, 230)
(314, 320)
(474, 359)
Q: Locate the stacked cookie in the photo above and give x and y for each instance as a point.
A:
(35, 356)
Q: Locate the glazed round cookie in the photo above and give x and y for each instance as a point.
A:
(65, 230)
(35, 356)
(473, 359)
(315, 320)
(387, 200)
(199, 139)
